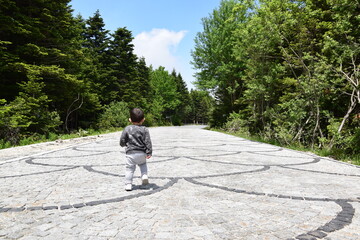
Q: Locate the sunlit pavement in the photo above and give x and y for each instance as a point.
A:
(203, 185)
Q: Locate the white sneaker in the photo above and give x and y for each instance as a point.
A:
(145, 179)
(128, 187)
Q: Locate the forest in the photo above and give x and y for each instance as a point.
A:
(284, 70)
(60, 73)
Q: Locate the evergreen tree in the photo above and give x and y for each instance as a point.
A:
(181, 110)
(41, 36)
(142, 84)
(96, 36)
(29, 112)
(124, 82)
(96, 43)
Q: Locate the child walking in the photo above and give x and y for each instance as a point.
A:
(136, 139)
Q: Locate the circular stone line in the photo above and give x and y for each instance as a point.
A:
(93, 203)
(342, 219)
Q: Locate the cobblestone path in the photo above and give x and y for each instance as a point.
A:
(203, 185)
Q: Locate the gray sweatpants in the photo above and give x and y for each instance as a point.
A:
(133, 159)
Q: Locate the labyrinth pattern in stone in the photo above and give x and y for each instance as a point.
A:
(203, 185)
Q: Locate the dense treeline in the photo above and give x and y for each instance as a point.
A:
(60, 73)
(285, 70)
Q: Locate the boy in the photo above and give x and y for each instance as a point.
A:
(137, 140)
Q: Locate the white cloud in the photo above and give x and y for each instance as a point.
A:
(158, 47)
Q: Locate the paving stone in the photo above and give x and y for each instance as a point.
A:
(204, 185)
(108, 233)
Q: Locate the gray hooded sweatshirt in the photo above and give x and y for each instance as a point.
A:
(136, 138)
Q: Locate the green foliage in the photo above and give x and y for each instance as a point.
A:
(201, 106)
(181, 111)
(287, 71)
(115, 115)
(150, 120)
(236, 124)
(213, 57)
(60, 73)
(165, 98)
(28, 113)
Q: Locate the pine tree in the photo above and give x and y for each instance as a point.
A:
(96, 44)
(123, 83)
(142, 85)
(41, 35)
(29, 112)
(181, 110)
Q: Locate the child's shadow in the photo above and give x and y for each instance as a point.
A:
(150, 186)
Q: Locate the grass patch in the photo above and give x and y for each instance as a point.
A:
(336, 154)
(37, 138)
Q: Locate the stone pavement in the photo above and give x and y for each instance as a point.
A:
(203, 185)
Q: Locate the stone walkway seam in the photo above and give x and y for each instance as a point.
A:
(229, 187)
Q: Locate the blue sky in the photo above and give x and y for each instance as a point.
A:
(164, 30)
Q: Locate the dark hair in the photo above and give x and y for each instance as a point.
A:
(136, 115)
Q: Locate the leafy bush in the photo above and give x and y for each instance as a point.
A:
(116, 114)
(150, 120)
(5, 144)
(176, 120)
(236, 124)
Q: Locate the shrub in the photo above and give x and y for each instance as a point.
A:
(236, 124)
(116, 114)
(150, 120)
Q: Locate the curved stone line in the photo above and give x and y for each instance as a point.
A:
(191, 179)
(192, 148)
(329, 173)
(217, 155)
(172, 147)
(341, 220)
(316, 160)
(30, 161)
(265, 168)
(340, 162)
(221, 150)
(249, 143)
(229, 163)
(38, 173)
(91, 169)
(78, 149)
(88, 150)
(187, 141)
(251, 164)
(92, 203)
(88, 155)
(264, 153)
(149, 161)
(18, 159)
(10, 161)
